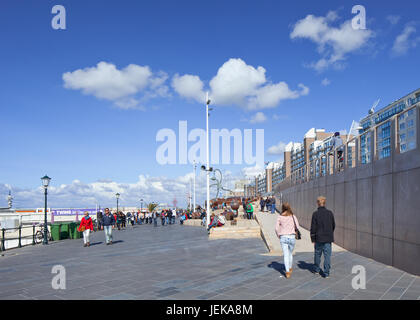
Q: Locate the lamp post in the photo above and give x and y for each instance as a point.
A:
(117, 195)
(10, 200)
(141, 205)
(45, 182)
(208, 160)
(195, 166)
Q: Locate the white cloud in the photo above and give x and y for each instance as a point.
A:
(189, 86)
(325, 82)
(393, 19)
(277, 149)
(406, 40)
(160, 189)
(334, 43)
(240, 84)
(235, 83)
(251, 172)
(106, 81)
(259, 117)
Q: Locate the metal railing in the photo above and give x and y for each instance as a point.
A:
(35, 228)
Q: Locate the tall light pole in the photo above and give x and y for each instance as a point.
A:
(117, 195)
(195, 165)
(189, 197)
(208, 160)
(10, 199)
(141, 205)
(45, 182)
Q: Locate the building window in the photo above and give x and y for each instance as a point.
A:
(384, 140)
(365, 148)
(407, 130)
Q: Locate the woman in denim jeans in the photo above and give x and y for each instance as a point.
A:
(285, 230)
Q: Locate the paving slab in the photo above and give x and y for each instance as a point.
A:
(178, 262)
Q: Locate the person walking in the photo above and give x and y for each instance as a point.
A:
(268, 204)
(123, 221)
(154, 216)
(108, 222)
(286, 227)
(169, 217)
(162, 217)
(128, 217)
(173, 215)
(322, 235)
(99, 216)
(86, 226)
(273, 204)
(115, 218)
(262, 204)
(119, 220)
(249, 211)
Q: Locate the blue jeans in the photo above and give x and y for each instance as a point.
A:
(288, 244)
(273, 208)
(324, 248)
(108, 233)
(268, 206)
(155, 221)
(167, 220)
(173, 219)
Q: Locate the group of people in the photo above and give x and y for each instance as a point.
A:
(322, 235)
(287, 228)
(108, 221)
(269, 203)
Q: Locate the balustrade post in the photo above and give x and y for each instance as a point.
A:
(20, 237)
(3, 248)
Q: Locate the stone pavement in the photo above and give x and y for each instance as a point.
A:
(177, 262)
(267, 223)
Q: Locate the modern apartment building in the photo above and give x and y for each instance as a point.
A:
(312, 158)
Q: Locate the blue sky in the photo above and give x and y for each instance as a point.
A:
(72, 130)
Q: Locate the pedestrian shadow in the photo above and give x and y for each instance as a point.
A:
(96, 243)
(278, 267)
(305, 266)
(117, 241)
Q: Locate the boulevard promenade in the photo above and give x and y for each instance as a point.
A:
(179, 262)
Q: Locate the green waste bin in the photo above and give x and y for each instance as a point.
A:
(72, 226)
(55, 231)
(65, 230)
(76, 234)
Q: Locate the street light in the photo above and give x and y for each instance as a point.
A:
(10, 199)
(195, 166)
(45, 182)
(208, 160)
(117, 195)
(141, 205)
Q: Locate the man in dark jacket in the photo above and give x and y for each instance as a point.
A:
(108, 221)
(322, 235)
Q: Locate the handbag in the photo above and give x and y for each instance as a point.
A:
(298, 234)
(82, 228)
